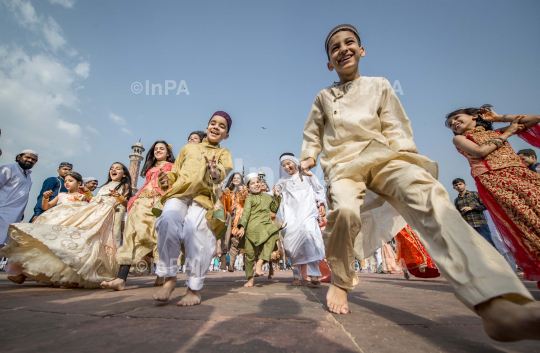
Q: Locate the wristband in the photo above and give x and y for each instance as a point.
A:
(120, 198)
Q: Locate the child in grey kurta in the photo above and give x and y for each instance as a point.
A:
(260, 233)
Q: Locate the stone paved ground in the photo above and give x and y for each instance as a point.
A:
(389, 314)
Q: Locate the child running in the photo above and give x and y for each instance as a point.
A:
(302, 204)
(261, 234)
(188, 209)
(74, 243)
(140, 237)
(509, 190)
(367, 142)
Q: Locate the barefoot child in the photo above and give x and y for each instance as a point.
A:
(367, 142)
(509, 190)
(72, 244)
(302, 204)
(188, 208)
(260, 233)
(140, 237)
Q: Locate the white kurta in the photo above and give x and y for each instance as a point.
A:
(14, 191)
(302, 237)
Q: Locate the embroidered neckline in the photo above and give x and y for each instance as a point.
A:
(476, 129)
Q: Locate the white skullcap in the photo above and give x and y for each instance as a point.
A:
(31, 152)
(249, 177)
(86, 180)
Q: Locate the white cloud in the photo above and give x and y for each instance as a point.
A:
(66, 3)
(117, 119)
(51, 31)
(126, 131)
(91, 129)
(72, 129)
(24, 12)
(26, 16)
(83, 69)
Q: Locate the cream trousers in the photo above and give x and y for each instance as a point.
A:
(472, 266)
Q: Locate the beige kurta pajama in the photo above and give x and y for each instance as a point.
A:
(365, 140)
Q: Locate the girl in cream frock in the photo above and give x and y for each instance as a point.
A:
(74, 243)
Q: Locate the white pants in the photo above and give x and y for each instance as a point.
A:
(312, 270)
(183, 221)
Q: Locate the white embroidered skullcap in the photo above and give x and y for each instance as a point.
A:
(249, 177)
(86, 180)
(31, 152)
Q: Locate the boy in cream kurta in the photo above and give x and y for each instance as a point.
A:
(366, 142)
(188, 208)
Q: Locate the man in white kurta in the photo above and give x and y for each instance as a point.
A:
(15, 184)
(302, 237)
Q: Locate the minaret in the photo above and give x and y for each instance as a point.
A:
(135, 164)
(261, 176)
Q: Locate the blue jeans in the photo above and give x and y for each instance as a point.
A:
(486, 234)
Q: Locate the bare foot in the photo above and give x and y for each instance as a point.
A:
(315, 281)
(116, 284)
(192, 297)
(19, 279)
(250, 282)
(336, 299)
(159, 281)
(163, 294)
(406, 274)
(296, 282)
(69, 286)
(507, 322)
(258, 268)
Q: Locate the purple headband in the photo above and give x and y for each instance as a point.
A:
(226, 117)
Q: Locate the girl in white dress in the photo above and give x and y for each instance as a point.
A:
(302, 203)
(72, 244)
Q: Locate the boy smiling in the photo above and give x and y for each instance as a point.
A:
(187, 211)
(366, 141)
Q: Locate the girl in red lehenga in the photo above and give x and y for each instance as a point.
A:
(510, 191)
(413, 257)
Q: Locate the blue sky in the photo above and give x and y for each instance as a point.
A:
(67, 66)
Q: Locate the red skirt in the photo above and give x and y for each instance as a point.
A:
(412, 255)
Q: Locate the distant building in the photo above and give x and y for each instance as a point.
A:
(135, 164)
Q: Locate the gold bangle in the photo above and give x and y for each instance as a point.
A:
(120, 199)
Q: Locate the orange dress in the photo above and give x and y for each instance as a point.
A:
(511, 193)
(412, 255)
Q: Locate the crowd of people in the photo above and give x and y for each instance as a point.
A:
(381, 209)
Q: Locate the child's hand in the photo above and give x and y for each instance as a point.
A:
(322, 211)
(83, 189)
(47, 194)
(466, 209)
(489, 115)
(240, 233)
(163, 178)
(515, 127)
(212, 167)
(222, 183)
(114, 193)
(305, 166)
(276, 193)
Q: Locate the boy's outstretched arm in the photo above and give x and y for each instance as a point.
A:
(173, 174)
(313, 133)
(395, 125)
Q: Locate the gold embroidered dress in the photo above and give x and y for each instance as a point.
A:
(140, 238)
(511, 192)
(73, 242)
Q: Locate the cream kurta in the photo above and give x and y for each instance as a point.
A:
(360, 128)
(363, 115)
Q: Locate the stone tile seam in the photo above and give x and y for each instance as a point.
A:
(338, 323)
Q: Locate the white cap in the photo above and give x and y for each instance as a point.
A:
(86, 180)
(249, 177)
(31, 152)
